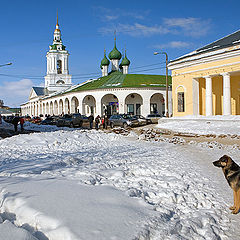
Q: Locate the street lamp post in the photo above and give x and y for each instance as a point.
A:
(156, 53)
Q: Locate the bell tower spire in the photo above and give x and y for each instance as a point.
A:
(57, 26)
(57, 77)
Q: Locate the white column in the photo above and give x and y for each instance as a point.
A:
(98, 107)
(55, 64)
(195, 92)
(80, 107)
(209, 108)
(121, 102)
(67, 65)
(47, 65)
(226, 94)
(52, 64)
(146, 106)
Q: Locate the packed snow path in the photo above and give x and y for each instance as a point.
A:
(189, 196)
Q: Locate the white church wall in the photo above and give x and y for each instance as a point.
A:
(98, 99)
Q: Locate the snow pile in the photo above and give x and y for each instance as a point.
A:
(44, 128)
(216, 125)
(85, 184)
(34, 127)
(58, 209)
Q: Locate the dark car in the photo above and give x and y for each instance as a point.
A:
(122, 120)
(8, 119)
(70, 120)
(50, 121)
(153, 118)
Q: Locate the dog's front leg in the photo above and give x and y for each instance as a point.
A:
(234, 201)
(237, 202)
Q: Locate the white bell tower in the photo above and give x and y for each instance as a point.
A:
(57, 77)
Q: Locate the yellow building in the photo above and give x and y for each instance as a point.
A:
(207, 81)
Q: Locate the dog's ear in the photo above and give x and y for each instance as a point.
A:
(225, 158)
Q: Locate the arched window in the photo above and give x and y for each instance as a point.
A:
(181, 107)
(59, 66)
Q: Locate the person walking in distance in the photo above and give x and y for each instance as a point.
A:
(15, 122)
(21, 120)
(90, 119)
(97, 122)
(105, 121)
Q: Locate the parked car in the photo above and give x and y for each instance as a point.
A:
(85, 120)
(141, 120)
(36, 120)
(122, 120)
(8, 119)
(153, 118)
(27, 118)
(50, 121)
(70, 120)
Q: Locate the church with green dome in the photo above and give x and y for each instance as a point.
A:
(115, 56)
(116, 91)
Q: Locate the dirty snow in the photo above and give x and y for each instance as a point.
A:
(83, 184)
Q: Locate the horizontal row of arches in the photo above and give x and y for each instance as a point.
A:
(109, 104)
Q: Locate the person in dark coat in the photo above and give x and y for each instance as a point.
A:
(90, 119)
(97, 122)
(105, 122)
(15, 122)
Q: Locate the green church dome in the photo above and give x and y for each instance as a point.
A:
(115, 54)
(105, 61)
(125, 61)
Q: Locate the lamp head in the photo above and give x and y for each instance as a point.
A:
(155, 53)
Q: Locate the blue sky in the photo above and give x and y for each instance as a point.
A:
(87, 27)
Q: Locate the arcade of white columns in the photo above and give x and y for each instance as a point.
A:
(93, 102)
(226, 100)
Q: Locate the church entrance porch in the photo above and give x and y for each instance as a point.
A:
(109, 105)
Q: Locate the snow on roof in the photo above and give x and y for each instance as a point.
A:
(216, 47)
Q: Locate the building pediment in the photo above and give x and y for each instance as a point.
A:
(32, 94)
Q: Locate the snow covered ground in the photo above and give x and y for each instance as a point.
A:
(203, 125)
(83, 184)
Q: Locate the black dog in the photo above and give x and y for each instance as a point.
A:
(232, 173)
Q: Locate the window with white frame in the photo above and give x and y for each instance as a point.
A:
(181, 105)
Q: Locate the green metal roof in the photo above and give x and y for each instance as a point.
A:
(119, 80)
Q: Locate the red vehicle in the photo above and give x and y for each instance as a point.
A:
(27, 118)
(36, 120)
